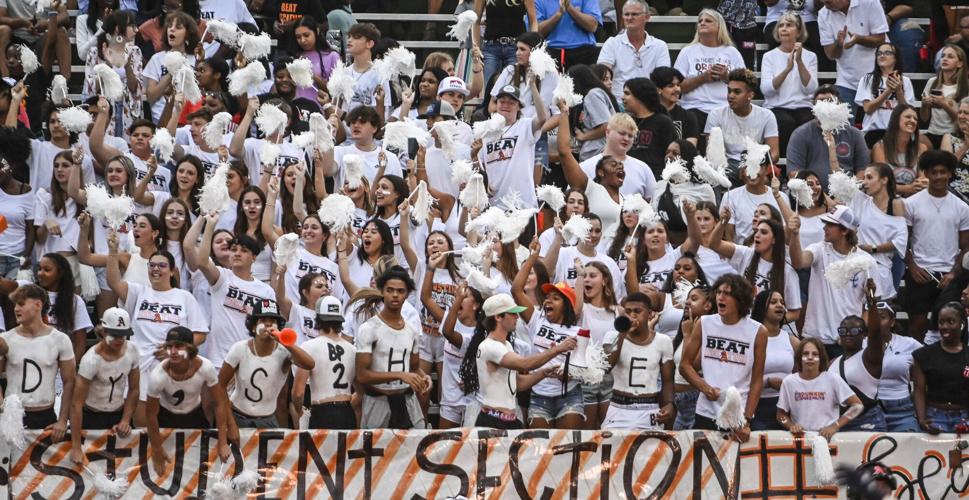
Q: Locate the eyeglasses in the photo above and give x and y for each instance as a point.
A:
(885, 53)
(158, 265)
(850, 332)
(633, 14)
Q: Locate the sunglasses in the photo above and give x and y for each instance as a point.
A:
(850, 332)
(882, 305)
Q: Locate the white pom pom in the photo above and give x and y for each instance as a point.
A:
(474, 255)
(28, 60)
(490, 130)
(109, 82)
(843, 187)
(246, 482)
(397, 133)
(823, 466)
(478, 281)
(681, 292)
(648, 217)
(541, 63)
(461, 172)
(832, 116)
(223, 31)
(88, 282)
(241, 80)
(856, 266)
(754, 157)
(422, 204)
(74, 119)
(174, 61)
(221, 489)
(576, 229)
(186, 83)
(322, 132)
(58, 89)
(801, 192)
(110, 488)
(565, 91)
(215, 194)
(270, 119)
(397, 62)
(731, 414)
(446, 132)
(552, 196)
(461, 29)
(707, 173)
(717, 149)
(305, 141)
(675, 171)
(597, 363)
(287, 248)
(12, 422)
(475, 194)
(514, 224)
(353, 167)
(114, 210)
(268, 154)
(214, 131)
(255, 46)
(336, 211)
(163, 144)
(301, 71)
(341, 82)
(486, 222)
(43, 6)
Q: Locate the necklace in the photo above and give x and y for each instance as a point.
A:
(938, 206)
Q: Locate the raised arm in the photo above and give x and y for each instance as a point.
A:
(278, 282)
(205, 264)
(267, 225)
(518, 286)
(117, 283)
(237, 147)
(451, 318)
(17, 94)
(573, 172)
(875, 350)
(722, 247)
(74, 185)
(190, 242)
(101, 152)
(800, 259)
(541, 110)
(427, 299)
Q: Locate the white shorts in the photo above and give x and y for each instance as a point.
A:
(432, 348)
(453, 413)
(633, 417)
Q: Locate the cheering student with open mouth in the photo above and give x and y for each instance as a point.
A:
(331, 378)
(108, 381)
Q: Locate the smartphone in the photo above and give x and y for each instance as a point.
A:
(936, 92)
(412, 148)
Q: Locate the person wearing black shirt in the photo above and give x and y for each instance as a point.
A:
(506, 20)
(940, 372)
(656, 129)
(668, 82)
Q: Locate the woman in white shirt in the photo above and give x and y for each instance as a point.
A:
(705, 62)
(175, 214)
(249, 212)
(181, 35)
(894, 386)
(55, 223)
(811, 398)
(901, 147)
(769, 309)
(882, 231)
(789, 76)
(357, 261)
(881, 91)
(597, 307)
(458, 329)
(940, 99)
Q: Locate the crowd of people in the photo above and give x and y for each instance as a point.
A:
(729, 286)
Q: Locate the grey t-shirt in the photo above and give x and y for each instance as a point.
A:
(596, 110)
(807, 150)
(20, 9)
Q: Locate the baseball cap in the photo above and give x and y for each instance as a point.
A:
(181, 335)
(266, 308)
(438, 108)
(510, 91)
(329, 308)
(500, 304)
(560, 287)
(842, 216)
(452, 84)
(116, 322)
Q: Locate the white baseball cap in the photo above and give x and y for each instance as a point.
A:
(329, 308)
(116, 322)
(500, 304)
(842, 216)
(452, 84)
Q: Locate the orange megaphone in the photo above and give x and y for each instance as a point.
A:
(286, 336)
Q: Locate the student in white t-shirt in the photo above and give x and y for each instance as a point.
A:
(367, 88)
(248, 150)
(741, 119)
(942, 94)
(507, 159)
(642, 369)
(495, 372)
(811, 398)
(850, 32)
(260, 366)
(34, 353)
(622, 134)
(705, 63)
(140, 134)
(363, 123)
(387, 362)
(331, 378)
(107, 382)
(562, 261)
(743, 202)
(881, 91)
(175, 390)
(458, 329)
(182, 35)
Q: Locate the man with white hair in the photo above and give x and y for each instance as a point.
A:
(633, 53)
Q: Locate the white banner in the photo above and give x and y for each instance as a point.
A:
(485, 463)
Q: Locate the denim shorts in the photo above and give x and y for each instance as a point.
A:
(600, 393)
(685, 409)
(900, 415)
(551, 408)
(872, 420)
(946, 420)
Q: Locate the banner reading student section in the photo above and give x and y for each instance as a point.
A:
(484, 463)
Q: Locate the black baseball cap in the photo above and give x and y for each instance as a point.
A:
(510, 91)
(181, 335)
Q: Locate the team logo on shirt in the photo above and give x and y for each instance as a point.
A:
(306, 268)
(237, 300)
(156, 180)
(159, 313)
(726, 350)
(651, 278)
(809, 396)
(500, 150)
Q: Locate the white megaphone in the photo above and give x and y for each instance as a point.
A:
(577, 357)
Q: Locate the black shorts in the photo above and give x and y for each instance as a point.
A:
(705, 424)
(486, 420)
(194, 419)
(919, 298)
(39, 420)
(334, 415)
(98, 420)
